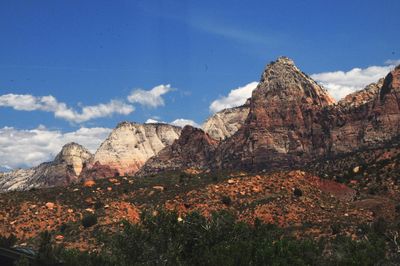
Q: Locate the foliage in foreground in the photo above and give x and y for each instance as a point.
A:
(166, 239)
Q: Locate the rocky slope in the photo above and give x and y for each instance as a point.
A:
(128, 147)
(193, 150)
(65, 168)
(301, 202)
(225, 123)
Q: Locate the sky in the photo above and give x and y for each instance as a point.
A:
(71, 70)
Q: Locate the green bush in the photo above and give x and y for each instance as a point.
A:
(89, 220)
(7, 242)
(167, 239)
(226, 200)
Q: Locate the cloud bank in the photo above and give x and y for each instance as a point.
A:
(151, 98)
(236, 97)
(27, 148)
(341, 83)
(27, 102)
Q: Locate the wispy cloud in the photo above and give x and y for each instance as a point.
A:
(237, 34)
(28, 102)
(150, 98)
(341, 83)
(27, 148)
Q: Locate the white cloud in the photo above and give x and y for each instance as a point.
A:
(236, 97)
(27, 148)
(183, 122)
(341, 83)
(180, 122)
(153, 121)
(27, 102)
(152, 98)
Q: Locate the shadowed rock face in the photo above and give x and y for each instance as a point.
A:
(193, 149)
(65, 168)
(225, 123)
(371, 118)
(128, 147)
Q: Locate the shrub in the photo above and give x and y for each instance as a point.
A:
(89, 220)
(226, 200)
(9, 241)
(98, 205)
(168, 239)
(297, 192)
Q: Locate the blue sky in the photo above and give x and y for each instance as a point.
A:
(86, 53)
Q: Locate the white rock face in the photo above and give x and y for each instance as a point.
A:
(130, 145)
(226, 122)
(65, 169)
(75, 156)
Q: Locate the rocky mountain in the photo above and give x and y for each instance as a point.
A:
(225, 123)
(282, 127)
(372, 119)
(292, 121)
(128, 147)
(193, 150)
(64, 169)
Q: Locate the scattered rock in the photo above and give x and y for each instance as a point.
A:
(50, 205)
(356, 169)
(89, 183)
(160, 188)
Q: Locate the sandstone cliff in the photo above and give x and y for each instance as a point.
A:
(281, 128)
(193, 150)
(128, 147)
(65, 169)
(225, 123)
(371, 117)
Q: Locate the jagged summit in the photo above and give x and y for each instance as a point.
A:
(391, 82)
(283, 78)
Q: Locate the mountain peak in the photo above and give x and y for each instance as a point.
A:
(282, 79)
(74, 154)
(284, 60)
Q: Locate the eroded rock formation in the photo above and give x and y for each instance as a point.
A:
(128, 147)
(225, 123)
(64, 169)
(193, 150)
